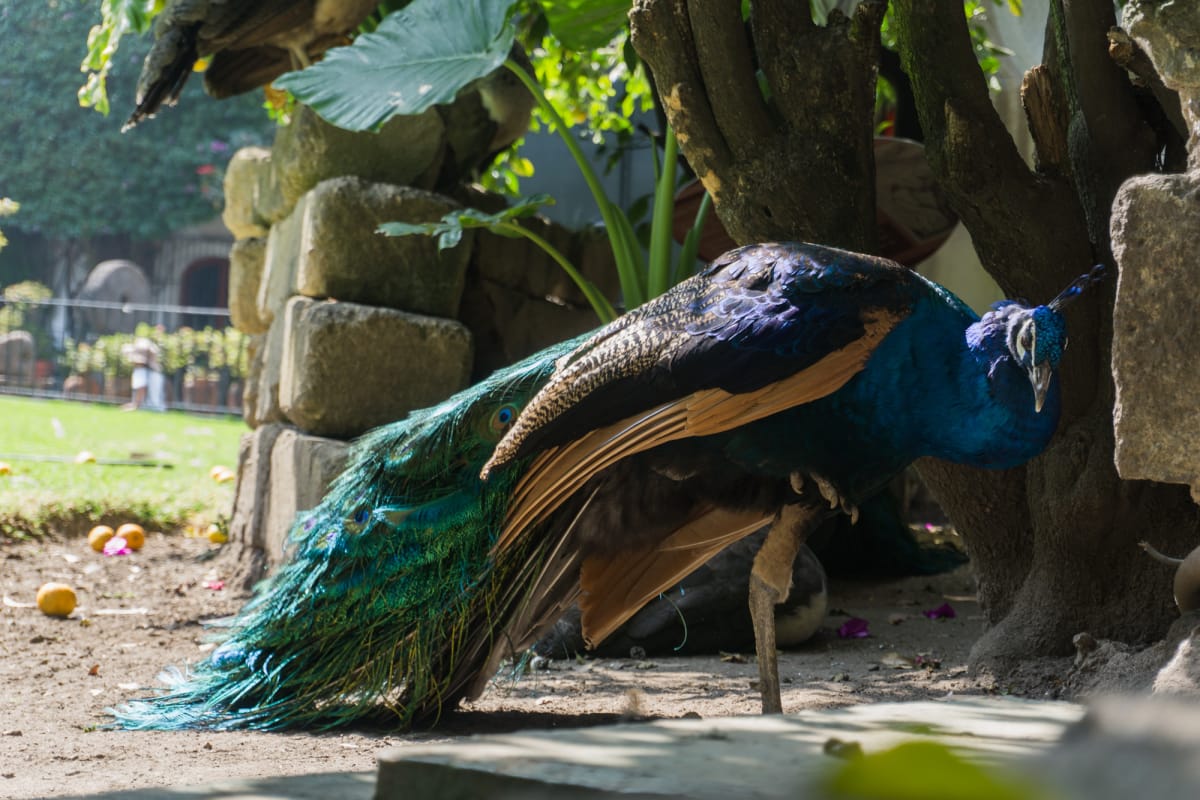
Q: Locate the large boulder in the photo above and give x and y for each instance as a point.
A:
(355, 263)
(347, 368)
(247, 258)
(302, 469)
(407, 150)
(1156, 333)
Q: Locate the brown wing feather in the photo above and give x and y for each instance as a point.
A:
(561, 471)
(614, 587)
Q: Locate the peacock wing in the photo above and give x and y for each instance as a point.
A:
(763, 329)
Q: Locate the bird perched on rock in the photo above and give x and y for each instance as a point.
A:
(781, 381)
(250, 43)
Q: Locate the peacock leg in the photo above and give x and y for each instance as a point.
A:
(770, 583)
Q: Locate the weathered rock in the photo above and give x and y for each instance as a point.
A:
(1156, 333)
(518, 300)
(348, 368)
(286, 245)
(355, 263)
(266, 407)
(1181, 675)
(509, 325)
(1170, 35)
(246, 260)
(302, 468)
(250, 501)
(256, 357)
(407, 151)
(17, 358)
(524, 267)
(247, 177)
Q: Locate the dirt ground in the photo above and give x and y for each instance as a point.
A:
(140, 612)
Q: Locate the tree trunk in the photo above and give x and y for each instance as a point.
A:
(1054, 543)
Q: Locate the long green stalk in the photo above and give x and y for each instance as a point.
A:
(599, 302)
(660, 230)
(626, 269)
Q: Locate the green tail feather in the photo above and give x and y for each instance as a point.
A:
(389, 601)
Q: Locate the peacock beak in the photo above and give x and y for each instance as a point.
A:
(1039, 376)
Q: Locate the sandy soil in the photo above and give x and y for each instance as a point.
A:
(140, 612)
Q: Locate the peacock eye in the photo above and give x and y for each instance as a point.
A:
(503, 418)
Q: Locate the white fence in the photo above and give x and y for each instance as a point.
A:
(89, 351)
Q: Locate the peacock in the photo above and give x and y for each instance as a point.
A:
(781, 384)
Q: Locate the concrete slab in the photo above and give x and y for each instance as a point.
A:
(321, 786)
(744, 757)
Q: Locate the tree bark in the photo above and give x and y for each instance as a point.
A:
(1054, 543)
(769, 156)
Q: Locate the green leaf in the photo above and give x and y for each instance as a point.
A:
(924, 770)
(418, 57)
(449, 228)
(586, 24)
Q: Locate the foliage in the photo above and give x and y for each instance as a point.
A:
(75, 173)
(40, 498)
(198, 353)
(924, 770)
(410, 62)
(8, 207)
(21, 311)
(449, 230)
(118, 17)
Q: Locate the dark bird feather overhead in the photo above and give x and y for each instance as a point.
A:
(783, 382)
(251, 43)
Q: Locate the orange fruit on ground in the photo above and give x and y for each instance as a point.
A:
(56, 599)
(133, 534)
(99, 536)
(5, 468)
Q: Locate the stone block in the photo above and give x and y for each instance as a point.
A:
(246, 260)
(348, 368)
(250, 501)
(285, 247)
(266, 407)
(302, 469)
(407, 151)
(1156, 332)
(256, 356)
(355, 263)
(508, 325)
(245, 173)
(522, 266)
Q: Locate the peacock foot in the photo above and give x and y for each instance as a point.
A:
(828, 491)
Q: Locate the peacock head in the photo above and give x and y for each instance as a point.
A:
(1037, 336)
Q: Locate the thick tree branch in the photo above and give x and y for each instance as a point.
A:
(1129, 55)
(729, 73)
(770, 171)
(1027, 228)
(663, 37)
(1048, 116)
(1114, 141)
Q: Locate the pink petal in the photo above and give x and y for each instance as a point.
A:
(944, 611)
(216, 586)
(854, 628)
(116, 546)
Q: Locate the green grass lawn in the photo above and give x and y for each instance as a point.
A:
(66, 498)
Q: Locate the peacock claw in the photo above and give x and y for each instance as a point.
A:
(796, 479)
(832, 496)
(828, 491)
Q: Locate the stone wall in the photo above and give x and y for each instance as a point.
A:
(352, 329)
(1155, 224)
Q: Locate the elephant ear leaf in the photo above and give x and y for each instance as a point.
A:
(419, 56)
